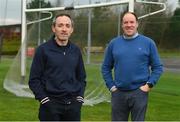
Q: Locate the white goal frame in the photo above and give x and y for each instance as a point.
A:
(47, 10)
(24, 23)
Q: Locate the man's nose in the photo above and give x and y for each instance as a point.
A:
(128, 24)
(64, 28)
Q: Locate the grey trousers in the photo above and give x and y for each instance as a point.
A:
(125, 103)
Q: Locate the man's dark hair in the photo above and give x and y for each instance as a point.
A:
(122, 16)
(60, 15)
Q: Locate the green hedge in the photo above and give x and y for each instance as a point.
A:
(11, 46)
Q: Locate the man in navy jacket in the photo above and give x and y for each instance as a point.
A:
(57, 76)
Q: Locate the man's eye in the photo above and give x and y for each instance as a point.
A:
(68, 26)
(60, 25)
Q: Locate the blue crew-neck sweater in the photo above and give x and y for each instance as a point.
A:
(135, 62)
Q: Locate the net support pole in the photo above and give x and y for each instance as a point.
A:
(23, 41)
(89, 36)
(153, 3)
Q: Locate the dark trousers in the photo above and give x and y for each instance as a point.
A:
(129, 102)
(56, 110)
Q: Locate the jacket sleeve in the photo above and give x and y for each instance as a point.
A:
(36, 73)
(107, 67)
(81, 74)
(156, 65)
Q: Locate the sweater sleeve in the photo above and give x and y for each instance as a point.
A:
(155, 63)
(36, 72)
(107, 67)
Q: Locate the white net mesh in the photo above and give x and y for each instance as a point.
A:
(13, 81)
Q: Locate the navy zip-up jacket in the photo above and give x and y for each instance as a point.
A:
(57, 71)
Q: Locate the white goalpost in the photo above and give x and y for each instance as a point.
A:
(25, 10)
(20, 88)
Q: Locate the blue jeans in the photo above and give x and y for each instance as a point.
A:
(56, 110)
(126, 102)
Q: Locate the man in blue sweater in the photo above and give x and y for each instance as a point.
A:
(57, 76)
(137, 68)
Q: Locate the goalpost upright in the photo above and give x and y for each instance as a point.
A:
(23, 40)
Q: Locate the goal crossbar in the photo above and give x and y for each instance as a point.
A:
(82, 6)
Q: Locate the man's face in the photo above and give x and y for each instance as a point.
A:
(129, 24)
(62, 28)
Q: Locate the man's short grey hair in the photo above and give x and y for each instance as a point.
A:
(60, 15)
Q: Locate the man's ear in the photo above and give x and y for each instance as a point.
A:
(72, 30)
(137, 24)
